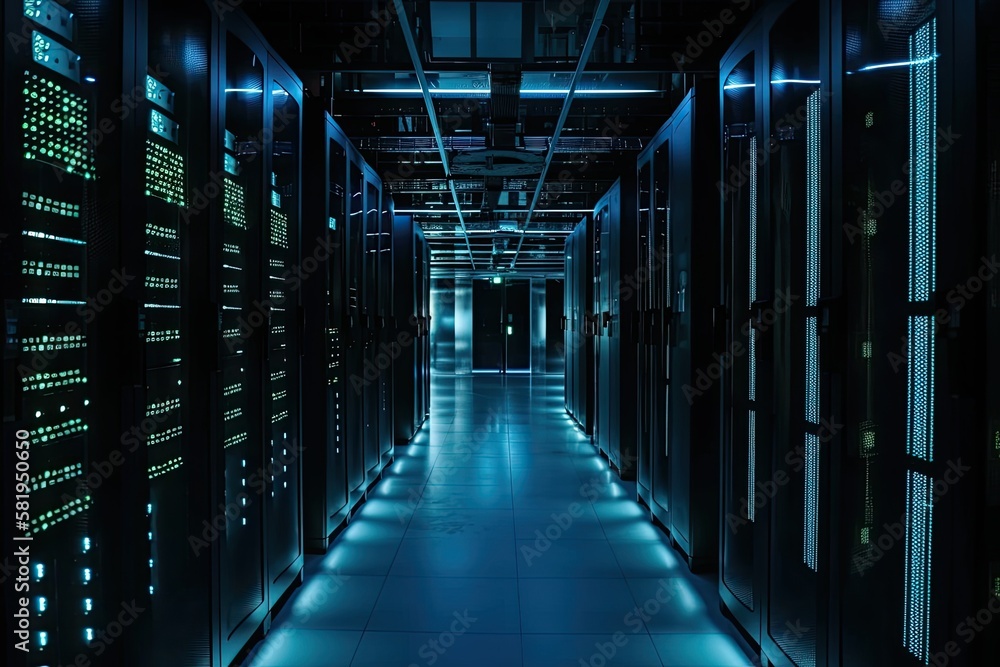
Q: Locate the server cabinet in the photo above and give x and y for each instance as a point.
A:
(616, 276)
(872, 395)
(424, 365)
(387, 332)
(776, 397)
(679, 426)
(255, 407)
(284, 258)
(797, 576)
(326, 385)
(237, 406)
(578, 325)
(356, 330)
(653, 386)
(747, 385)
(61, 275)
(371, 387)
(168, 154)
(407, 377)
(917, 487)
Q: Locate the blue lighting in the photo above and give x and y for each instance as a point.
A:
(810, 529)
(810, 549)
(923, 161)
(904, 63)
(753, 222)
(90, 79)
(812, 198)
(737, 86)
(917, 589)
(484, 92)
(920, 388)
(752, 362)
(811, 82)
(751, 464)
(812, 372)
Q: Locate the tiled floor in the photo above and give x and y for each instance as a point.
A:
(500, 538)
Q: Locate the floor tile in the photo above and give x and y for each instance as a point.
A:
(457, 496)
(700, 650)
(435, 523)
(305, 648)
(428, 604)
(471, 557)
(331, 602)
(673, 604)
(441, 649)
(577, 606)
(625, 648)
(576, 521)
(565, 558)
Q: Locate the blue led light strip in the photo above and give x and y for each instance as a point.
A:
(812, 197)
(812, 445)
(810, 549)
(923, 160)
(751, 463)
(920, 388)
(920, 344)
(753, 220)
(920, 341)
(812, 372)
(919, 533)
(752, 364)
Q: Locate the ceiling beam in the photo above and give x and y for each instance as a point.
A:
(418, 69)
(588, 47)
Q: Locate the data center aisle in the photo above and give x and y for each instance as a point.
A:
(500, 538)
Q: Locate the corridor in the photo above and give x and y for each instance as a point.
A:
(500, 538)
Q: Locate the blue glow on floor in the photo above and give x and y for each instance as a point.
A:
(500, 538)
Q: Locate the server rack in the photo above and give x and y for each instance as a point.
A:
(425, 331)
(422, 254)
(678, 400)
(408, 254)
(848, 185)
(915, 485)
(653, 392)
(59, 249)
(578, 325)
(255, 406)
(616, 278)
(357, 331)
(326, 319)
(170, 491)
(748, 284)
(772, 183)
(388, 332)
(285, 256)
(566, 324)
(371, 386)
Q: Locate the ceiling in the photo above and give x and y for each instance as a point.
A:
(498, 75)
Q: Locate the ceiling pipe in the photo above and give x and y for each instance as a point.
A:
(595, 28)
(418, 69)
